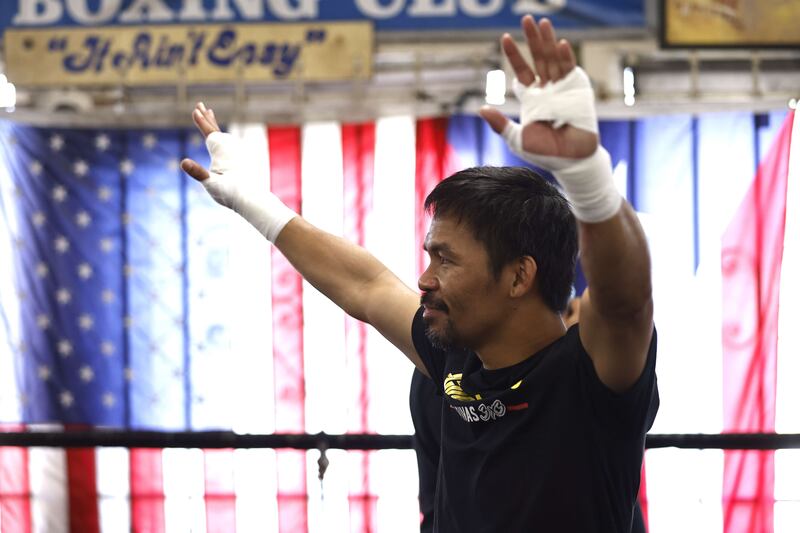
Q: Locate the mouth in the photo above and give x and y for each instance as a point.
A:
(430, 307)
(430, 312)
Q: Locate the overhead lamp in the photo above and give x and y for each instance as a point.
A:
(8, 93)
(496, 87)
(628, 86)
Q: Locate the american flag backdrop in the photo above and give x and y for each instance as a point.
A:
(130, 300)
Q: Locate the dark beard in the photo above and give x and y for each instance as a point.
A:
(446, 340)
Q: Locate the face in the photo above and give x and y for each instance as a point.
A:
(460, 295)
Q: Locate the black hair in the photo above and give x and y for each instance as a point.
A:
(514, 212)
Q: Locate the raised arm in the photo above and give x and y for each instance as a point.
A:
(347, 274)
(559, 133)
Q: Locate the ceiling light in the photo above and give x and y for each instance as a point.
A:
(496, 87)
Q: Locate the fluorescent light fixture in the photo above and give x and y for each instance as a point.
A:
(8, 93)
(628, 86)
(496, 87)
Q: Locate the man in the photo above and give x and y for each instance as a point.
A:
(426, 413)
(425, 403)
(542, 428)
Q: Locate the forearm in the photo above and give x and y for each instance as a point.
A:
(616, 262)
(339, 269)
(347, 274)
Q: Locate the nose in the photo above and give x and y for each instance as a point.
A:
(427, 281)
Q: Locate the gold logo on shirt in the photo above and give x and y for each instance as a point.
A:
(452, 387)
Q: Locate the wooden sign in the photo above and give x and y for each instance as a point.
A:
(730, 23)
(192, 53)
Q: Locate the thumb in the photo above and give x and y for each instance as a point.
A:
(497, 121)
(194, 169)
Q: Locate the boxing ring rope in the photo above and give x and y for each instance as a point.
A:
(355, 441)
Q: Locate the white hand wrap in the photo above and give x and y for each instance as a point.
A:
(228, 185)
(568, 101)
(588, 183)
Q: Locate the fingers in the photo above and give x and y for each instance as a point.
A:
(212, 119)
(548, 51)
(553, 59)
(566, 57)
(204, 119)
(522, 70)
(497, 121)
(534, 39)
(194, 169)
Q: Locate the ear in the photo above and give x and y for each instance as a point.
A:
(524, 272)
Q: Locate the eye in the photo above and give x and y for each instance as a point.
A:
(443, 260)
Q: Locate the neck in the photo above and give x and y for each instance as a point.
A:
(527, 330)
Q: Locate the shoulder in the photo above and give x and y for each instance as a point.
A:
(629, 411)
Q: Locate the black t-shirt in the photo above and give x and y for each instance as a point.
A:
(426, 414)
(542, 446)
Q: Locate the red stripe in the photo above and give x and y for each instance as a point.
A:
(287, 327)
(147, 491)
(15, 505)
(220, 491)
(643, 498)
(752, 252)
(435, 161)
(358, 156)
(84, 515)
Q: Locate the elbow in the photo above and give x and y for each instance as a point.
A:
(638, 308)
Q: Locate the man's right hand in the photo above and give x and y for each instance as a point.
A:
(554, 61)
(345, 273)
(206, 122)
(229, 182)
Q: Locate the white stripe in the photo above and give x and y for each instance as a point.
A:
(723, 184)
(10, 326)
(689, 336)
(787, 516)
(10, 409)
(208, 237)
(328, 505)
(184, 489)
(391, 237)
(323, 333)
(684, 490)
(250, 398)
(250, 390)
(787, 462)
(786, 419)
(113, 489)
(217, 239)
(396, 483)
(47, 468)
(390, 234)
(256, 489)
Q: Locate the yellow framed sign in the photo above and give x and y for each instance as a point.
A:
(730, 23)
(157, 55)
